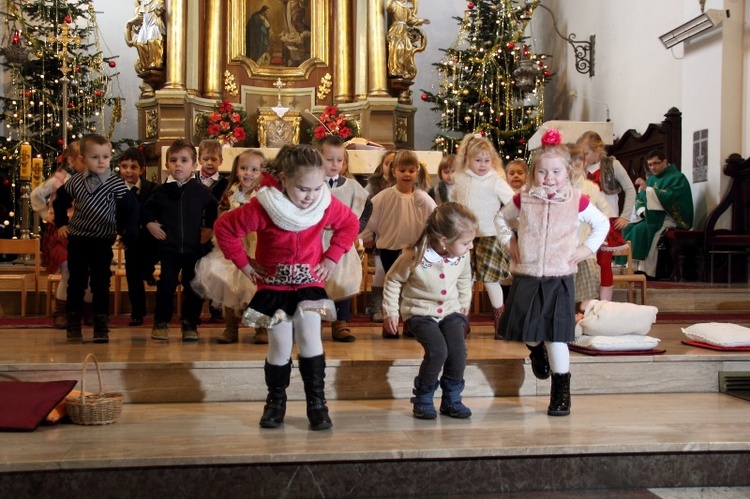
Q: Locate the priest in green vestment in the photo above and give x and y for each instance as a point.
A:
(664, 201)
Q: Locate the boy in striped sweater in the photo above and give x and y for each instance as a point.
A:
(104, 207)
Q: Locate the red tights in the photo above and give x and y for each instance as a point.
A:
(604, 259)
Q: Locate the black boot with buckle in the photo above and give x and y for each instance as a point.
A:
(277, 381)
(313, 374)
(559, 399)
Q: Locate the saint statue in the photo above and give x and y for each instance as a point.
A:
(405, 38)
(257, 33)
(146, 33)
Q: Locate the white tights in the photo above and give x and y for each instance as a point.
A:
(494, 293)
(62, 286)
(558, 355)
(304, 328)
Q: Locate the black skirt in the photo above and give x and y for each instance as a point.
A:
(540, 309)
(269, 307)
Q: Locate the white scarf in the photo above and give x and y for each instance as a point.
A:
(289, 217)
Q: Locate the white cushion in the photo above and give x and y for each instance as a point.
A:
(610, 318)
(719, 333)
(617, 343)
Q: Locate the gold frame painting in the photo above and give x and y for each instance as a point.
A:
(285, 53)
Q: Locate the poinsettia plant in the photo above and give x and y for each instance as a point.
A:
(225, 124)
(333, 123)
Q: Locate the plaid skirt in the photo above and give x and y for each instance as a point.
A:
(489, 261)
(587, 280)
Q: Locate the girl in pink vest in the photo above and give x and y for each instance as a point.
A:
(540, 309)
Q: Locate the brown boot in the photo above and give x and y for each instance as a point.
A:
(261, 336)
(341, 332)
(60, 316)
(498, 313)
(231, 333)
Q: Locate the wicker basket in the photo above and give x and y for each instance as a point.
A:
(102, 408)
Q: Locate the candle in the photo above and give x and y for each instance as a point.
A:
(25, 161)
(37, 164)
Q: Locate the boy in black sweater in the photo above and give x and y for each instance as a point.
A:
(103, 207)
(180, 214)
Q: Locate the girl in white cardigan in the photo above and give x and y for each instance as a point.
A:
(433, 277)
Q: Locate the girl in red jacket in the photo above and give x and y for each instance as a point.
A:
(290, 273)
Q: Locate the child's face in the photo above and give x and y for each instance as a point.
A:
(447, 175)
(248, 170)
(405, 175)
(551, 173)
(130, 170)
(387, 165)
(210, 161)
(304, 188)
(180, 165)
(97, 158)
(481, 164)
(460, 245)
(333, 159)
(591, 156)
(516, 175)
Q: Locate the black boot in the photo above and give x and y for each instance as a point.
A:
(73, 331)
(559, 399)
(277, 380)
(539, 361)
(451, 403)
(88, 313)
(313, 376)
(101, 328)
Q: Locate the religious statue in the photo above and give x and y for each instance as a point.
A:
(257, 37)
(405, 38)
(146, 33)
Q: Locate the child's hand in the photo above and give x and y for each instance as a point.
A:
(324, 269)
(62, 232)
(369, 244)
(465, 311)
(253, 270)
(515, 254)
(620, 223)
(390, 324)
(582, 252)
(155, 229)
(206, 234)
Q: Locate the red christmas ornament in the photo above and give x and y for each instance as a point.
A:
(541, 64)
(15, 40)
(77, 69)
(425, 97)
(481, 132)
(141, 148)
(68, 20)
(471, 5)
(522, 140)
(510, 45)
(455, 150)
(6, 182)
(71, 105)
(98, 92)
(547, 74)
(59, 142)
(526, 52)
(27, 94)
(112, 64)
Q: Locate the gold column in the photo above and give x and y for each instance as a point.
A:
(376, 42)
(360, 61)
(176, 29)
(214, 58)
(342, 91)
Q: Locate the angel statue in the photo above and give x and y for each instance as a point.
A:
(146, 33)
(405, 38)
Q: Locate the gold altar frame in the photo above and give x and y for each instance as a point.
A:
(238, 17)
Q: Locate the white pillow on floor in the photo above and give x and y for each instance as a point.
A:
(617, 343)
(721, 334)
(611, 318)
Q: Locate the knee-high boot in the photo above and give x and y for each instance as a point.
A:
(277, 381)
(313, 374)
(559, 399)
(498, 313)
(231, 333)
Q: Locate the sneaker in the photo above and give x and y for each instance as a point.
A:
(160, 331)
(189, 332)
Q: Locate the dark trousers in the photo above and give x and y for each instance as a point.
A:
(388, 258)
(343, 309)
(139, 265)
(89, 261)
(444, 346)
(171, 266)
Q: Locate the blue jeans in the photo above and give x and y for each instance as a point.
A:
(444, 346)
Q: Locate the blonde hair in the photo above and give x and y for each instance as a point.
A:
(471, 146)
(449, 220)
(409, 158)
(576, 156)
(70, 153)
(233, 177)
(558, 150)
(291, 159)
(446, 163)
(594, 141)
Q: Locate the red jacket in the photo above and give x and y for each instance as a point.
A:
(289, 258)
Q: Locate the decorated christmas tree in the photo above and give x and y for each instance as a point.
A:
(58, 87)
(490, 81)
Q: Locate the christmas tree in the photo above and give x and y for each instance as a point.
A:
(490, 81)
(60, 85)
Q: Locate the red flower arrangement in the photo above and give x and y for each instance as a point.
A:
(225, 124)
(332, 123)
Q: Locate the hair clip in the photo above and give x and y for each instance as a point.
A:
(551, 137)
(478, 135)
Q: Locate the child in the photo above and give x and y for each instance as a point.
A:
(102, 205)
(433, 278)
(219, 278)
(481, 187)
(446, 169)
(398, 214)
(515, 170)
(346, 278)
(210, 158)
(380, 179)
(540, 307)
(140, 258)
(290, 273)
(612, 179)
(54, 249)
(588, 276)
(180, 214)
